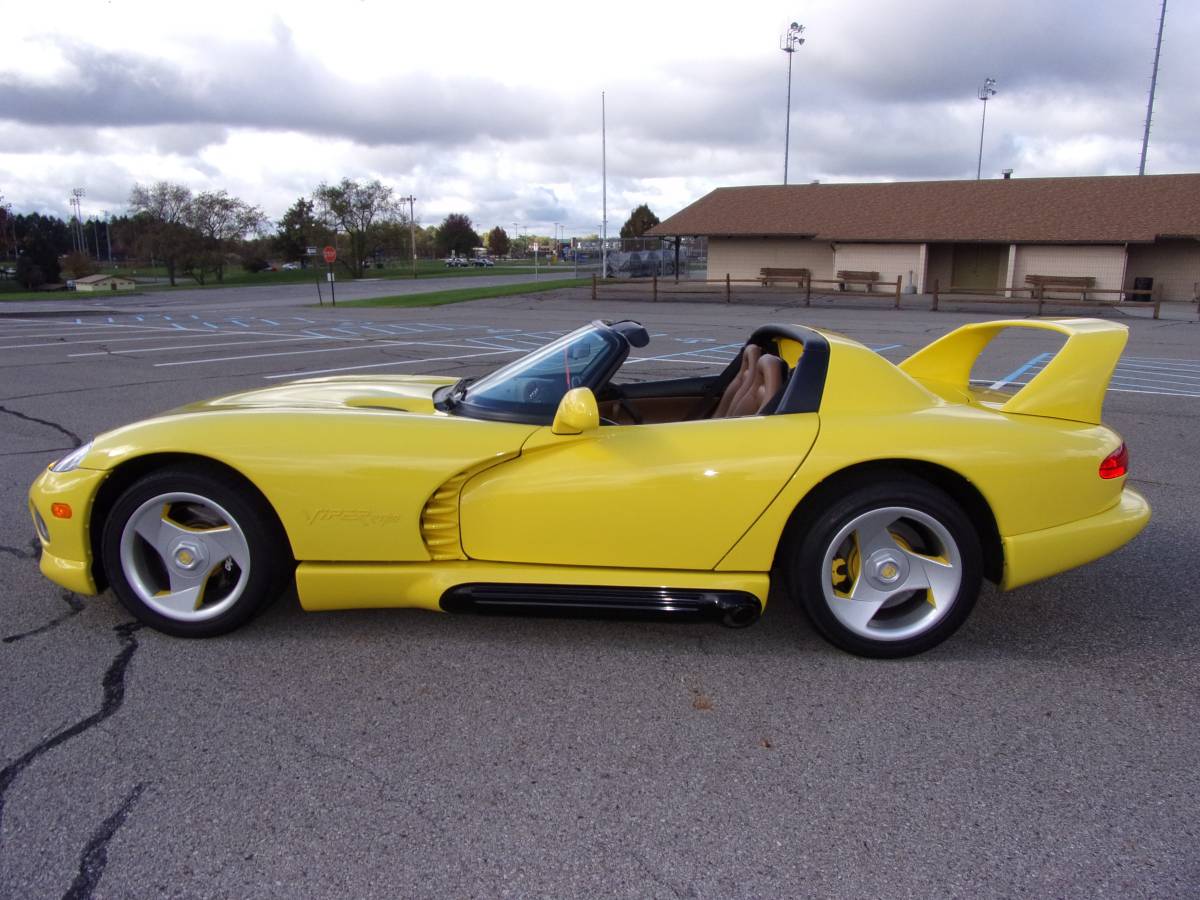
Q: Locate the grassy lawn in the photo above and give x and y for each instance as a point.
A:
(438, 298)
(237, 277)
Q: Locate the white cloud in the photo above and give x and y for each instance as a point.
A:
(495, 111)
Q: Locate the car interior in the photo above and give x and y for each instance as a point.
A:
(752, 384)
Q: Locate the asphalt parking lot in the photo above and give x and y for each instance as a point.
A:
(1050, 748)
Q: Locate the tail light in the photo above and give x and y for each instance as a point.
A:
(1116, 463)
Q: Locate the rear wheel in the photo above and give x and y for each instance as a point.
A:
(890, 568)
(193, 553)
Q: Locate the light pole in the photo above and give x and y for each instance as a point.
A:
(986, 92)
(1162, 17)
(788, 44)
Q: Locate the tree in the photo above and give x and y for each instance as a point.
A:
(497, 242)
(355, 208)
(456, 235)
(41, 240)
(163, 210)
(300, 229)
(639, 222)
(79, 265)
(220, 221)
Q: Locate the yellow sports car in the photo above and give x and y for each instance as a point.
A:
(880, 494)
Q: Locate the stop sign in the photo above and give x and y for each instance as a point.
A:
(330, 255)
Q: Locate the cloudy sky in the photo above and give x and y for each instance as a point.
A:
(494, 109)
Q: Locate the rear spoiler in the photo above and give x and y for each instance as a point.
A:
(1070, 386)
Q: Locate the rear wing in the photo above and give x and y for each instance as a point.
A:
(1070, 386)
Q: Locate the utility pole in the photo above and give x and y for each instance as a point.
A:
(604, 188)
(412, 231)
(985, 93)
(1162, 17)
(108, 236)
(788, 44)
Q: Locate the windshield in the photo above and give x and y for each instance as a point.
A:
(529, 390)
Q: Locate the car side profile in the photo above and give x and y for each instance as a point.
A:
(878, 496)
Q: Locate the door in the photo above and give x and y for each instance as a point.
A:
(675, 495)
(980, 266)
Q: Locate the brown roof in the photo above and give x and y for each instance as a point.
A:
(93, 279)
(1105, 209)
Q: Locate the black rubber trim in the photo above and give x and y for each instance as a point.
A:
(803, 391)
(735, 609)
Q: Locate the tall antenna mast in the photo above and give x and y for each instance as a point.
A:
(1162, 17)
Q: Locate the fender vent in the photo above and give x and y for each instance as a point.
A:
(439, 519)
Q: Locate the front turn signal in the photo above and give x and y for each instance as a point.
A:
(60, 510)
(1116, 463)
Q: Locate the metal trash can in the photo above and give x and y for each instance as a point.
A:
(1142, 284)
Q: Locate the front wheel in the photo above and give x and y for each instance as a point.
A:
(891, 568)
(193, 553)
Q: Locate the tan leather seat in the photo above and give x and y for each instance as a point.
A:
(756, 383)
(750, 357)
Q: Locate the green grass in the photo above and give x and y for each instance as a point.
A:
(438, 298)
(238, 277)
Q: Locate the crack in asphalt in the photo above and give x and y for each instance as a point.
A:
(95, 855)
(31, 553)
(75, 606)
(113, 685)
(20, 415)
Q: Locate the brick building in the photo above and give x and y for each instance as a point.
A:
(967, 234)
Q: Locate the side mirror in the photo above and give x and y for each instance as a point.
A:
(577, 413)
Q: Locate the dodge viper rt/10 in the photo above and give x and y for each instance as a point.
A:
(879, 495)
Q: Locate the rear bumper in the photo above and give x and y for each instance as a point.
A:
(1039, 554)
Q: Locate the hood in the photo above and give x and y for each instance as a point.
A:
(402, 393)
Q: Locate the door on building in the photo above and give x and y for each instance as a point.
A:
(980, 266)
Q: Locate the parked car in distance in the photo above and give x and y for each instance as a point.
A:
(482, 262)
(456, 262)
(290, 266)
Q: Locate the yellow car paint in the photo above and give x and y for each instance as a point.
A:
(1039, 554)
(67, 555)
(670, 496)
(1070, 386)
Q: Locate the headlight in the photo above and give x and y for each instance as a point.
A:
(72, 460)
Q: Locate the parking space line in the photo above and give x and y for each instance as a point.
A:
(1020, 370)
(253, 343)
(394, 362)
(374, 345)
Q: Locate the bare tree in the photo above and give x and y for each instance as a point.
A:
(221, 221)
(355, 209)
(163, 210)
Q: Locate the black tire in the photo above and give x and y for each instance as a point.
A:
(217, 538)
(925, 535)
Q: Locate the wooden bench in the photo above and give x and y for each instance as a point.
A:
(1043, 283)
(975, 295)
(847, 276)
(768, 275)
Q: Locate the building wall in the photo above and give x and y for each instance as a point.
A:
(889, 260)
(743, 257)
(1104, 263)
(1174, 266)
